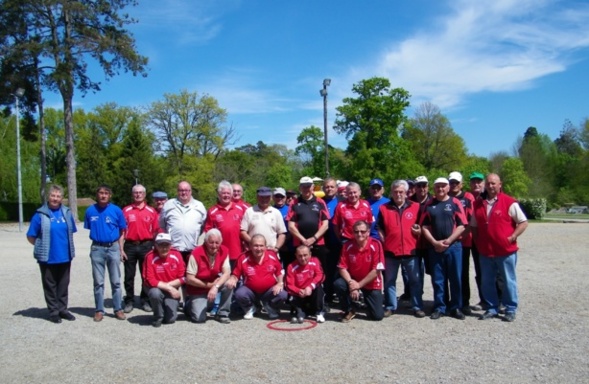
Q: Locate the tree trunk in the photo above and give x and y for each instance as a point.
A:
(70, 158)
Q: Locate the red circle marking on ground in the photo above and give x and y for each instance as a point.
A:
(311, 324)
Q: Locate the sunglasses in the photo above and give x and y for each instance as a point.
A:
(360, 232)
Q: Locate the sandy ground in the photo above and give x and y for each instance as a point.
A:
(549, 341)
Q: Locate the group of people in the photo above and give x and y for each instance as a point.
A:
(291, 250)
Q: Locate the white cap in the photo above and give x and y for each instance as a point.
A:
(421, 179)
(163, 238)
(441, 180)
(279, 191)
(306, 180)
(455, 176)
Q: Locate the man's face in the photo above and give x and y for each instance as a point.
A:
(263, 201)
(421, 190)
(54, 200)
(212, 244)
(343, 193)
(184, 192)
(399, 195)
(163, 249)
(330, 188)
(258, 247)
(360, 233)
(138, 195)
(353, 194)
(376, 191)
(306, 191)
(237, 192)
(477, 186)
(303, 255)
(159, 204)
(103, 196)
(455, 186)
(493, 185)
(224, 196)
(279, 200)
(441, 190)
(411, 191)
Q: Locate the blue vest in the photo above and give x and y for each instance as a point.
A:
(43, 242)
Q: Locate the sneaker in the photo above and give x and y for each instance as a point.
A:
(249, 314)
(509, 317)
(146, 307)
(435, 315)
(222, 319)
(273, 314)
(320, 318)
(502, 309)
(349, 316)
(457, 314)
(419, 314)
(157, 323)
(388, 313)
(120, 315)
(128, 307)
(488, 315)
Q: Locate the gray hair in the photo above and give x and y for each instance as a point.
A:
(400, 183)
(352, 184)
(54, 188)
(213, 232)
(224, 184)
(138, 188)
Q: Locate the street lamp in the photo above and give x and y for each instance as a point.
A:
(323, 93)
(136, 174)
(17, 95)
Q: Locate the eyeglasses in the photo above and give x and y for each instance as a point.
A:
(360, 232)
(453, 182)
(420, 185)
(184, 190)
(375, 186)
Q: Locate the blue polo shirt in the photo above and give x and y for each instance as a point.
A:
(375, 207)
(105, 223)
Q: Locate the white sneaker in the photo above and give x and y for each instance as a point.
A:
(320, 318)
(272, 313)
(250, 313)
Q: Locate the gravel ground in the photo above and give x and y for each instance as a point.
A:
(547, 343)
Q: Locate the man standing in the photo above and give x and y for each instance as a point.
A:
(183, 218)
(375, 200)
(107, 225)
(159, 200)
(164, 275)
(237, 197)
(399, 229)
(334, 245)
(477, 187)
(262, 276)
(360, 268)
(226, 216)
(497, 223)
(442, 225)
(265, 220)
(280, 202)
(350, 211)
(141, 229)
(467, 201)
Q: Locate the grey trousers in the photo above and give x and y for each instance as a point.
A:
(198, 305)
(165, 307)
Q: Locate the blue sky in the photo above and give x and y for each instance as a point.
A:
(493, 67)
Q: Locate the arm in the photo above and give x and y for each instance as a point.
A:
(439, 246)
(519, 229)
(31, 239)
(121, 241)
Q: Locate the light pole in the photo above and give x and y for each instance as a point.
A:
(17, 95)
(136, 174)
(323, 93)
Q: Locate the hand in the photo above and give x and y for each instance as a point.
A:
(440, 246)
(231, 283)
(277, 289)
(416, 230)
(353, 285)
(123, 256)
(175, 293)
(308, 291)
(512, 239)
(355, 295)
(212, 293)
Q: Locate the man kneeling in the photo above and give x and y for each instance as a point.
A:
(262, 276)
(206, 274)
(303, 282)
(360, 268)
(163, 273)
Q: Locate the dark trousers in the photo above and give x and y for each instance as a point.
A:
(373, 298)
(56, 280)
(330, 270)
(310, 305)
(135, 255)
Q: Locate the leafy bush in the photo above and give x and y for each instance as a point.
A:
(533, 208)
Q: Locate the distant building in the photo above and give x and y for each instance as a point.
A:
(578, 209)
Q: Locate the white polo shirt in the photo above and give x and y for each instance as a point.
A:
(183, 222)
(268, 223)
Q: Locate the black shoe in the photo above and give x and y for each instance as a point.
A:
(55, 319)
(457, 314)
(157, 323)
(388, 313)
(222, 319)
(419, 314)
(435, 315)
(467, 311)
(67, 316)
(509, 317)
(128, 307)
(404, 297)
(487, 315)
(146, 306)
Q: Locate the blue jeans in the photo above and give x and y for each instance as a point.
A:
(103, 258)
(412, 269)
(493, 268)
(447, 266)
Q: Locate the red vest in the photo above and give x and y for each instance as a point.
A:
(494, 229)
(396, 226)
(206, 272)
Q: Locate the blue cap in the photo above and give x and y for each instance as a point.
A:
(159, 195)
(376, 181)
(264, 191)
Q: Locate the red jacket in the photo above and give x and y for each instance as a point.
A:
(301, 276)
(156, 269)
(206, 272)
(396, 225)
(494, 229)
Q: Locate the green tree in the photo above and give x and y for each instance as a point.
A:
(513, 177)
(537, 152)
(66, 34)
